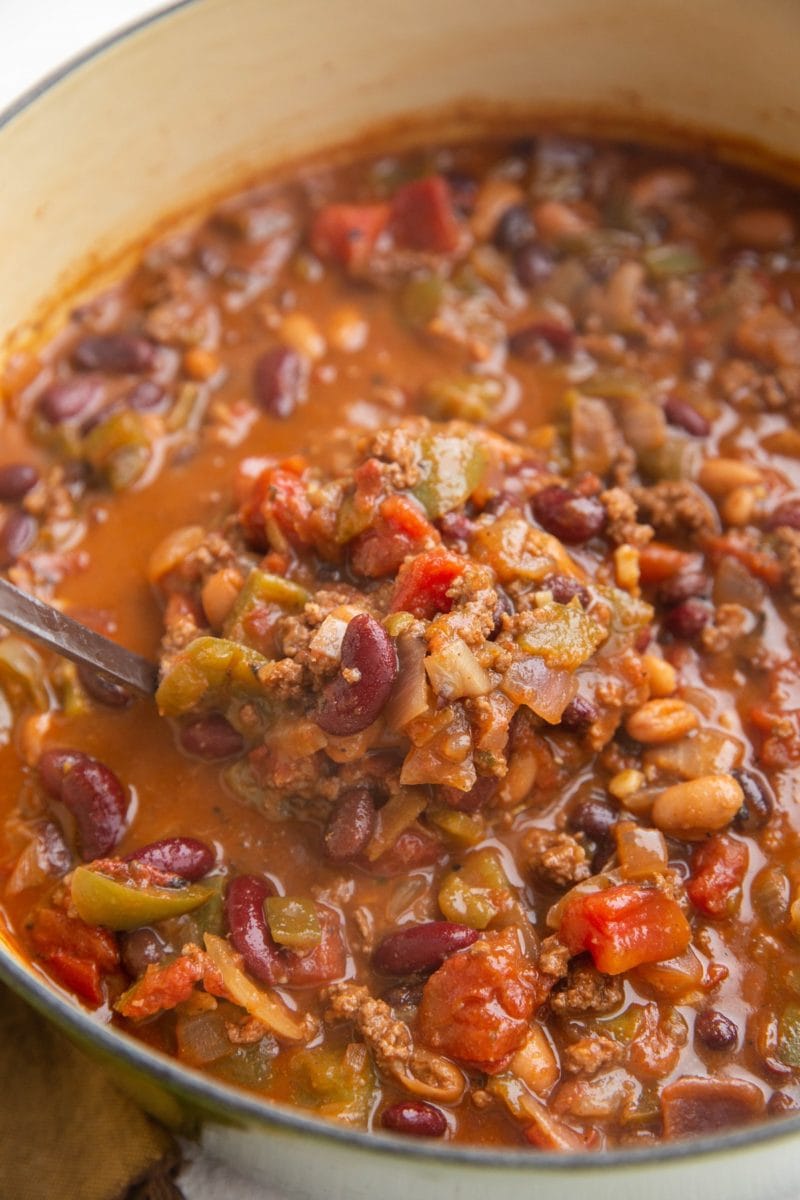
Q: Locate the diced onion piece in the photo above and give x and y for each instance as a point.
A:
(454, 671)
(641, 852)
(395, 816)
(431, 1076)
(409, 698)
(546, 690)
(171, 552)
(268, 1008)
(705, 752)
(535, 1062)
(676, 979)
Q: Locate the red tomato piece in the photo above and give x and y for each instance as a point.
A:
(718, 868)
(477, 1007)
(423, 583)
(659, 562)
(79, 955)
(279, 495)
(80, 975)
(624, 926)
(423, 217)
(347, 233)
(399, 530)
(165, 985)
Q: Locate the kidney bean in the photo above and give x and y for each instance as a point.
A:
(568, 516)
(92, 793)
(348, 707)
(350, 825)
(579, 714)
(684, 585)
(537, 341)
(476, 798)
(18, 534)
(514, 229)
(186, 857)
(146, 396)
(685, 416)
(758, 803)
(72, 398)
(421, 947)
(140, 948)
(16, 480)
(686, 620)
(533, 264)
(565, 588)
(102, 689)
(785, 513)
(279, 381)
(715, 1031)
(119, 353)
(414, 1117)
(210, 737)
(593, 817)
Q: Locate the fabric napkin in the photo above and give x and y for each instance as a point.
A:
(66, 1133)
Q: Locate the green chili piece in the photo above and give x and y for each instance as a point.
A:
(207, 673)
(420, 299)
(563, 635)
(466, 398)
(666, 262)
(477, 891)
(119, 449)
(337, 1083)
(261, 588)
(103, 901)
(451, 467)
(293, 922)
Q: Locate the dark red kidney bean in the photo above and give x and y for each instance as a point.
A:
(514, 229)
(250, 935)
(140, 949)
(593, 817)
(785, 513)
(457, 527)
(119, 353)
(532, 265)
(18, 534)
(421, 947)
(568, 516)
(414, 1117)
(16, 480)
(211, 737)
(565, 588)
(53, 766)
(348, 708)
(541, 339)
(684, 585)
(758, 803)
(146, 395)
(578, 715)
(681, 413)
(479, 795)
(715, 1031)
(187, 857)
(279, 381)
(350, 825)
(96, 798)
(686, 620)
(72, 398)
(104, 690)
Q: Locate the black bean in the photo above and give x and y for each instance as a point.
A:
(414, 1117)
(102, 689)
(118, 353)
(715, 1030)
(565, 588)
(532, 265)
(758, 802)
(16, 480)
(593, 817)
(18, 534)
(211, 737)
(140, 949)
(279, 381)
(570, 517)
(404, 998)
(579, 714)
(514, 229)
(350, 705)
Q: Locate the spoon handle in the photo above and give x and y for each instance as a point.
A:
(53, 629)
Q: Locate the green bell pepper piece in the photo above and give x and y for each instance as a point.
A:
(208, 673)
(100, 900)
(261, 588)
(293, 922)
(451, 467)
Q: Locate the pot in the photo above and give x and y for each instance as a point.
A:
(191, 102)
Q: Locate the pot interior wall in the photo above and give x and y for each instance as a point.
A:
(216, 89)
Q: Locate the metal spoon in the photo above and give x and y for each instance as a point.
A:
(51, 628)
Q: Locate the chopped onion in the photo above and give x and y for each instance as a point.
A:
(546, 690)
(706, 752)
(409, 698)
(454, 671)
(265, 1005)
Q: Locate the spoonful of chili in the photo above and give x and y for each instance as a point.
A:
(49, 627)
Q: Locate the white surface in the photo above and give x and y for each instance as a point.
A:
(37, 36)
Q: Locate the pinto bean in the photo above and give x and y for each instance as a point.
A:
(351, 704)
(421, 947)
(16, 480)
(350, 825)
(414, 1117)
(662, 720)
(186, 857)
(758, 802)
(697, 807)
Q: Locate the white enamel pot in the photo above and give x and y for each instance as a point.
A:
(198, 98)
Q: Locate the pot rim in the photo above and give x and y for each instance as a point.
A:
(48, 999)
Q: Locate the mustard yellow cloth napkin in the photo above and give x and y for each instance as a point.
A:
(66, 1133)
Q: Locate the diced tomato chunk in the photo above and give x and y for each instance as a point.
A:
(624, 926)
(165, 985)
(477, 1007)
(423, 217)
(279, 495)
(400, 529)
(80, 975)
(718, 868)
(79, 955)
(658, 562)
(762, 566)
(423, 583)
(347, 233)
